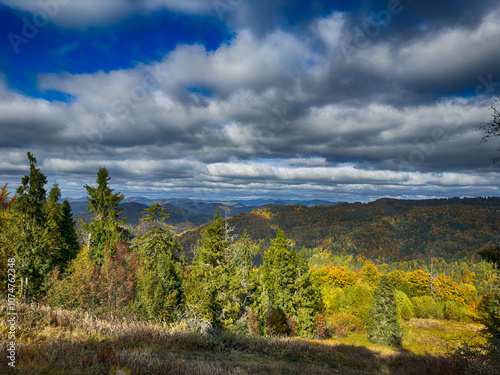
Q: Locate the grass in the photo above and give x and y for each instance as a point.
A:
(56, 341)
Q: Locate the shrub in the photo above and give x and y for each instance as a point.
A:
(341, 324)
(453, 311)
(405, 310)
(425, 307)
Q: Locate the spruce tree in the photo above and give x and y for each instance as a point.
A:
(8, 233)
(383, 325)
(69, 237)
(306, 298)
(489, 308)
(213, 272)
(160, 278)
(32, 247)
(280, 272)
(105, 229)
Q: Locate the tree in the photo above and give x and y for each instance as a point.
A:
(383, 325)
(8, 232)
(288, 289)
(70, 247)
(492, 128)
(60, 230)
(213, 270)
(32, 247)
(489, 307)
(159, 285)
(105, 229)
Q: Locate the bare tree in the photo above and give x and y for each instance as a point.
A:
(492, 128)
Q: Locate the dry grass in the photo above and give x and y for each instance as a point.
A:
(56, 341)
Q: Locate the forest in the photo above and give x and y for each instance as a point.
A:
(288, 271)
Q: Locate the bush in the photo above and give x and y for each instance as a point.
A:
(357, 300)
(453, 311)
(405, 310)
(426, 308)
(341, 324)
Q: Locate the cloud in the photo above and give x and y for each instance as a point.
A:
(274, 112)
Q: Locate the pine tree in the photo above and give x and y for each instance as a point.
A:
(280, 272)
(383, 326)
(306, 298)
(160, 278)
(32, 247)
(8, 232)
(244, 258)
(213, 271)
(106, 229)
(489, 308)
(60, 230)
(69, 236)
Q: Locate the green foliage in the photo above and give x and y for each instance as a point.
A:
(32, 245)
(426, 307)
(109, 284)
(288, 286)
(405, 310)
(159, 288)
(8, 233)
(105, 229)
(213, 272)
(357, 300)
(489, 308)
(383, 325)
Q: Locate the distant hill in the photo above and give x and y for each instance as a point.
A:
(179, 220)
(184, 213)
(386, 229)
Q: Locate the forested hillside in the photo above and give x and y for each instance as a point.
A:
(384, 230)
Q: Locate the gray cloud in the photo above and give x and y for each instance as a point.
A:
(276, 113)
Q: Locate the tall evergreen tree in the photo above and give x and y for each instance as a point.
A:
(280, 272)
(8, 233)
(383, 325)
(69, 236)
(105, 229)
(160, 278)
(32, 248)
(489, 307)
(213, 272)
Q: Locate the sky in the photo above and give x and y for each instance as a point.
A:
(239, 99)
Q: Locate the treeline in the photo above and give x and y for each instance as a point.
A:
(386, 230)
(305, 293)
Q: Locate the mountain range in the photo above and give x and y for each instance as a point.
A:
(184, 214)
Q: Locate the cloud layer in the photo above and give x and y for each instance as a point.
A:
(328, 104)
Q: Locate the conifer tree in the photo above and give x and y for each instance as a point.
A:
(383, 326)
(8, 232)
(280, 272)
(105, 229)
(489, 307)
(213, 272)
(306, 298)
(69, 236)
(160, 278)
(32, 248)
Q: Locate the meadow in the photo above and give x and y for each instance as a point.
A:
(58, 341)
